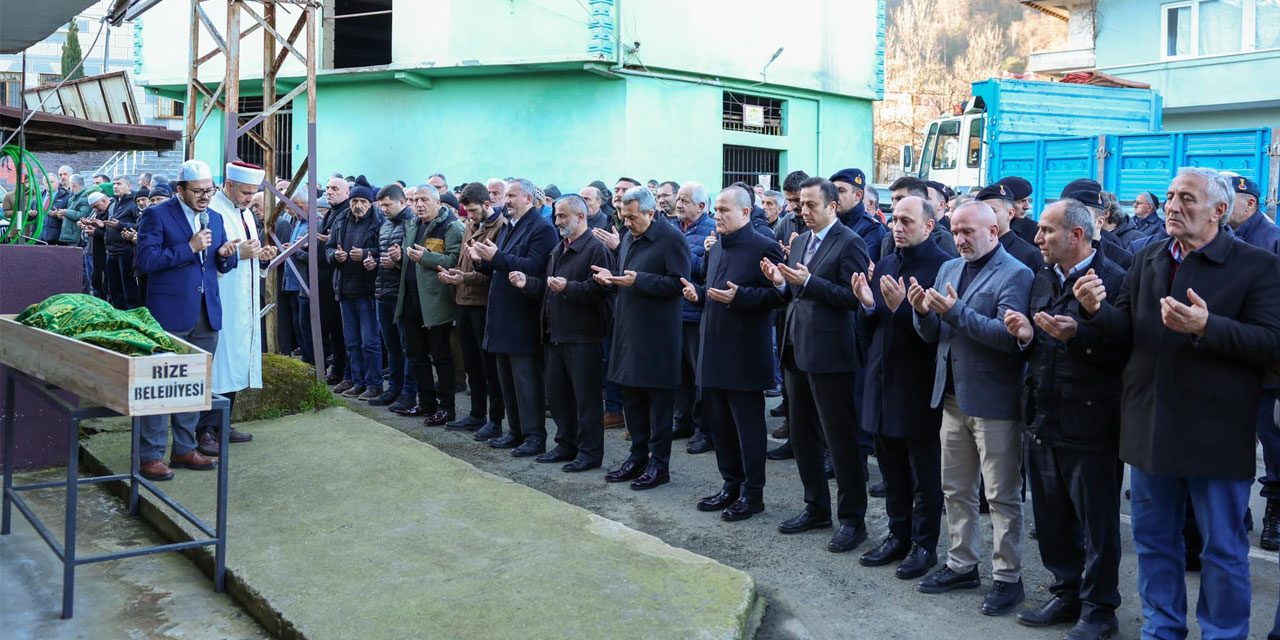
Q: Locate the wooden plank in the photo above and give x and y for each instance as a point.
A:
(138, 385)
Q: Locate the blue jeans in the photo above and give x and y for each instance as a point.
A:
(1158, 507)
(364, 347)
(302, 326)
(401, 381)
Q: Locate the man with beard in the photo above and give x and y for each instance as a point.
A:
(575, 318)
(402, 389)
(330, 315)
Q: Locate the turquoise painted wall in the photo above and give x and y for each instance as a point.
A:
(1219, 84)
(568, 128)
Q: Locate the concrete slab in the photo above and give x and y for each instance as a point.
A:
(154, 597)
(341, 527)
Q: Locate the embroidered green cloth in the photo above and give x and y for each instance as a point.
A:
(93, 320)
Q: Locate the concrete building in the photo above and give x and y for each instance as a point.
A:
(563, 91)
(1213, 62)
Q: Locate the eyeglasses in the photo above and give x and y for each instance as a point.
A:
(201, 192)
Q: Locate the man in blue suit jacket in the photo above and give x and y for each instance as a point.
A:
(513, 323)
(977, 381)
(181, 249)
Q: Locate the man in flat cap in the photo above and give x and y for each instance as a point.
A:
(851, 212)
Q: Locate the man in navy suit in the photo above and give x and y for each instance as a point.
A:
(735, 359)
(896, 404)
(513, 320)
(820, 354)
(181, 248)
(978, 378)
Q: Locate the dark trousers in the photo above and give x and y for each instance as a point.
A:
(153, 435)
(121, 285)
(331, 327)
(736, 422)
(688, 404)
(304, 329)
(574, 381)
(912, 471)
(401, 381)
(520, 376)
(428, 346)
(287, 335)
(821, 404)
(612, 390)
(1269, 437)
(648, 413)
(1076, 503)
(98, 268)
(481, 366)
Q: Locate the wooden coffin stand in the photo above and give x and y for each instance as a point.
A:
(107, 384)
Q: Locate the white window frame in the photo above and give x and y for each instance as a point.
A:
(1248, 28)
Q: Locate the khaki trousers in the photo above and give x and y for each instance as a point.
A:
(975, 449)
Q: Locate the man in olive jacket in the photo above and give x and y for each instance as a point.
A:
(425, 306)
(1201, 312)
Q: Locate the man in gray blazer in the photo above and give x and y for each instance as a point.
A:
(978, 383)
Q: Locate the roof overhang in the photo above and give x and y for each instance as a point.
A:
(1056, 9)
(53, 132)
(26, 23)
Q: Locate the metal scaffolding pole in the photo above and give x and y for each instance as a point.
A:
(226, 97)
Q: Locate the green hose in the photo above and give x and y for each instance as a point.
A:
(23, 227)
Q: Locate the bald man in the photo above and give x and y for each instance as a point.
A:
(977, 382)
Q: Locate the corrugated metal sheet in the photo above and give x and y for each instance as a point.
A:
(102, 98)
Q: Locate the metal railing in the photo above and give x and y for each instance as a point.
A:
(121, 163)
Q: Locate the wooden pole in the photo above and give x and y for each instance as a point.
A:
(193, 76)
(272, 284)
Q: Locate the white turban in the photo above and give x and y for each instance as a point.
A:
(244, 173)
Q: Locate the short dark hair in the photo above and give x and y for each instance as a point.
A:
(626, 179)
(392, 191)
(675, 186)
(474, 193)
(651, 183)
(105, 177)
(793, 181)
(914, 186)
(827, 188)
(746, 187)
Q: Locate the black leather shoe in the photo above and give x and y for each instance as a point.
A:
(557, 454)
(847, 538)
(741, 509)
(890, 550)
(630, 470)
(1270, 536)
(699, 445)
(779, 411)
(509, 441)
(808, 519)
(917, 563)
(944, 580)
(530, 447)
(465, 423)
(1003, 598)
(1093, 630)
(579, 465)
(651, 478)
(1055, 611)
(682, 431)
(783, 432)
(719, 501)
(384, 400)
(489, 430)
(782, 452)
(878, 490)
(415, 411)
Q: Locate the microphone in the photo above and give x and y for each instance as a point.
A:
(204, 224)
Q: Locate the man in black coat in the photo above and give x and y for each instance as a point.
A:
(512, 320)
(1202, 313)
(820, 354)
(645, 356)
(1020, 220)
(735, 356)
(1000, 199)
(353, 240)
(122, 286)
(339, 374)
(896, 403)
(1072, 456)
(575, 320)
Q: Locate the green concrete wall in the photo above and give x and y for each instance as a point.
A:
(568, 128)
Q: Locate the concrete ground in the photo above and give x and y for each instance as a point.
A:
(340, 527)
(154, 597)
(812, 593)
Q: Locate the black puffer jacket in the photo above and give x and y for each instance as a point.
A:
(350, 278)
(387, 285)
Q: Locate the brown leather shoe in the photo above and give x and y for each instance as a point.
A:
(155, 470)
(614, 421)
(192, 460)
(208, 444)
